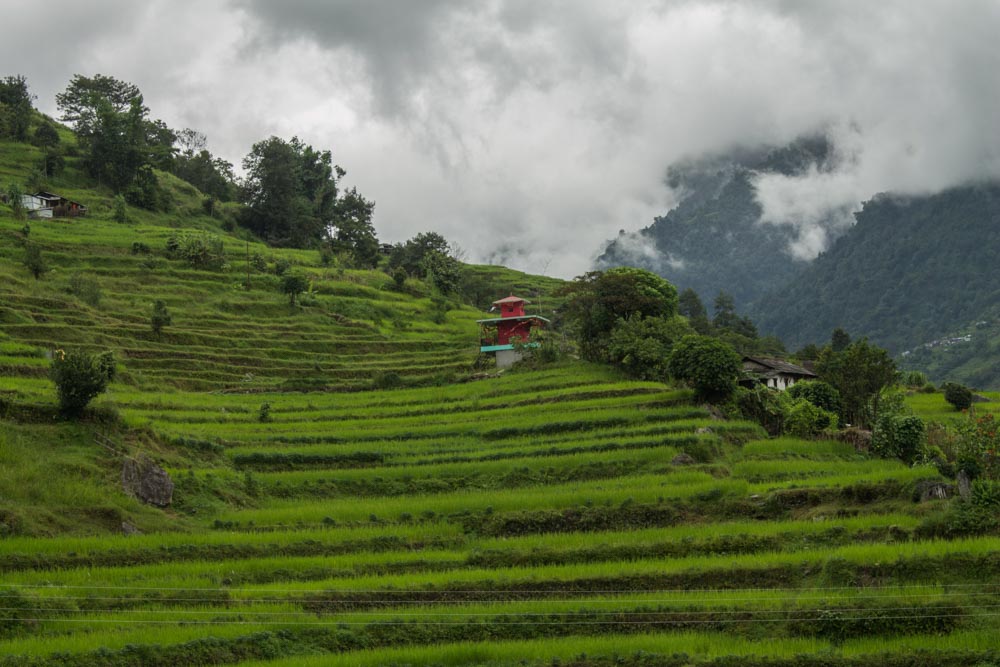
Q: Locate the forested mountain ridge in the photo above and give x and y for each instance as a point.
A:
(713, 239)
(911, 272)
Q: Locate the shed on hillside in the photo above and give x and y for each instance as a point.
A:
(774, 373)
(50, 205)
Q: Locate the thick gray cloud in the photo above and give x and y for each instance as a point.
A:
(531, 131)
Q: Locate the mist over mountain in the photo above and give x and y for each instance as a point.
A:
(914, 274)
(718, 237)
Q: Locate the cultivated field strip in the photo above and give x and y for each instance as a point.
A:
(528, 518)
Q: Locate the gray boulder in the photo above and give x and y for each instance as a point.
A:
(148, 482)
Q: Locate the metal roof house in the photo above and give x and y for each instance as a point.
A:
(774, 373)
(51, 205)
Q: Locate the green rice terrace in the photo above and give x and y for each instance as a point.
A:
(349, 491)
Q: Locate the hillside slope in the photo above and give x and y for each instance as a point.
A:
(346, 494)
(713, 239)
(913, 270)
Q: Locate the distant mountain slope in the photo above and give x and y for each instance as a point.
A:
(911, 271)
(713, 240)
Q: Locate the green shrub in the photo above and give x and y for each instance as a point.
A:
(202, 250)
(258, 263)
(264, 413)
(34, 261)
(160, 317)
(292, 285)
(140, 248)
(282, 266)
(641, 345)
(79, 377)
(821, 394)
(899, 436)
(804, 419)
(707, 365)
(85, 288)
(119, 209)
(958, 395)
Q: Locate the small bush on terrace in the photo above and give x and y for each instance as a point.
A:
(201, 250)
(958, 395)
(79, 377)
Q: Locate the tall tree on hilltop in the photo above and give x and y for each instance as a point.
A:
(121, 144)
(15, 107)
(78, 103)
(292, 199)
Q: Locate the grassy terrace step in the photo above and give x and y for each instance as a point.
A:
(538, 510)
(640, 495)
(552, 548)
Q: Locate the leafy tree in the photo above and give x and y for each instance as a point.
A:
(819, 393)
(803, 418)
(727, 319)
(199, 249)
(34, 262)
(15, 102)
(958, 395)
(196, 165)
(707, 365)
(78, 103)
(641, 345)
(79, 377)
(410, 255)
(839, 340)
(597, 300)
(119, 209)
(86, 288)
(160, 317)
(443, 271)
(51, 163)
(977, 450)
(15, 196)
(352, 231)
(120, 144)
(46, 136)
(294, 284)
(291, 197)
(690, 306)
(899, 436)
(859, 373)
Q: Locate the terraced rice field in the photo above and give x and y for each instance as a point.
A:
(542, 517)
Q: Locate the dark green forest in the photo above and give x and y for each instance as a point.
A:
(915, 274)
(712, 241)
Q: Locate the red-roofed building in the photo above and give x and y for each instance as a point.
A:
(498, 335)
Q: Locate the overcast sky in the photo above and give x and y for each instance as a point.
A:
(530, 131)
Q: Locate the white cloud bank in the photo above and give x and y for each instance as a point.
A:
(531, 132)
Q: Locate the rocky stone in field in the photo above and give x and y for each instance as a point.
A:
(964, 485)
(933, 491)
(148, 482)
(129, 529)
(683, 459)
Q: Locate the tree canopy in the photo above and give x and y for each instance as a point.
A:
(708, 365)
(859, 373)
(15, 108)
(597, 300)
(291, 197)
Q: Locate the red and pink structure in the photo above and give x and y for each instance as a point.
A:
(499, 334)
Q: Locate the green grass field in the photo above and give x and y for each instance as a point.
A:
(537, 517)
